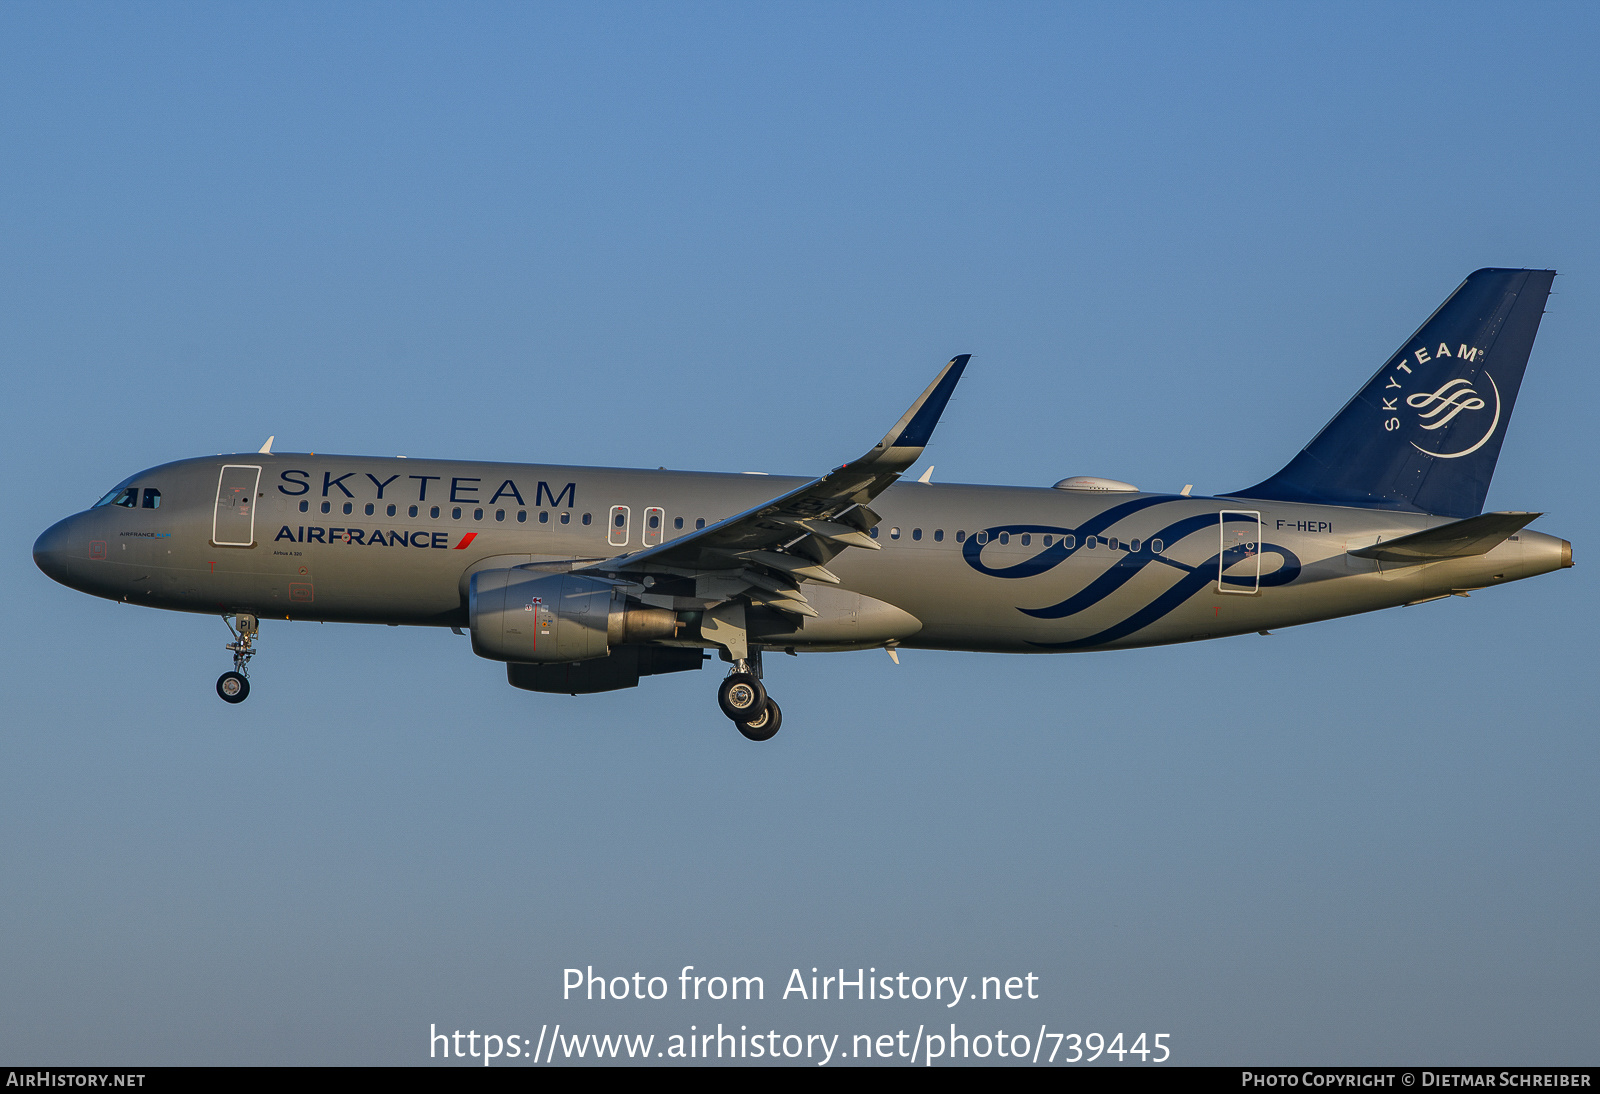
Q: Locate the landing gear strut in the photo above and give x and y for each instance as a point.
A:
(234, 687)
(745, 701)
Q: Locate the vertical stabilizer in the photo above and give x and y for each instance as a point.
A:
(1423, 435)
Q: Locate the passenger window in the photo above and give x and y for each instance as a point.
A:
(369, 508)
(566, 518)
(1156, 546)
(655, 521)
(1113, 544)
(305, 506)
(544, 517)
(455, 514)
(522, 516)
(1069, 542)
(499, 514)
(960, 536)
(391, 510)
(1005, 537)
(938, 535)
(1134, 546)
(327, 507)
(982, 537)
(1026, 539)
(434, 512)
(1088, 543)
(1047, 540)
(413, 510)
(916, 533)
(586, 517)
(873, 533)
(477, 514)
(894, 533)
(700, 522)
(677, 522)
(348, 508)
(152, 498)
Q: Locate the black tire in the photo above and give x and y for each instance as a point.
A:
(765, 727)
(739, 695)
(232, 687)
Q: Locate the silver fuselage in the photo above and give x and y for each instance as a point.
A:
(334, 538)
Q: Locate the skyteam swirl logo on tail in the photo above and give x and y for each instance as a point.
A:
(1129, 564)
(1438, 408)
(1451, 399)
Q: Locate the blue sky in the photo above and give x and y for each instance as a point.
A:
(1175, 237)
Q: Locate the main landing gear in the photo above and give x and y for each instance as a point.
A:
(234, 687)
(746, 702)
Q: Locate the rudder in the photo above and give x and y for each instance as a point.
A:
(1424, 434)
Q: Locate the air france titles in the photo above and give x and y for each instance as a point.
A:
(377, 537)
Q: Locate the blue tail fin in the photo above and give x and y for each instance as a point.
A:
(1423, 435)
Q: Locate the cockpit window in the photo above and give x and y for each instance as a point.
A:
(129, 496)
(118, 494)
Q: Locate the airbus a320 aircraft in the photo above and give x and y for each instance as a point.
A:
(584, 579)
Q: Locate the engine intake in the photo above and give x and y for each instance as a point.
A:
(534, 618)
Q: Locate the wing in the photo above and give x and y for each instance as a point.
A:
(763, 554)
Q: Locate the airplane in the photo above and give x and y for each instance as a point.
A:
(586, 579)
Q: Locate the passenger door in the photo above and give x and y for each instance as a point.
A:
(234, 523)
(1239, 560)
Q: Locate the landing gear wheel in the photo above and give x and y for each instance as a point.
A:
(766, 726)
(741, 695)
(233, 687)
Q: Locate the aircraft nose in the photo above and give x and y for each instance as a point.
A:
(51, 553)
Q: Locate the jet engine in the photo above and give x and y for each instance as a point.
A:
(538, 618)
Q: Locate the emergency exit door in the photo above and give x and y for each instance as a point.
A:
(655, 526)
(234, 524)
(617, 526)
(1239, 561)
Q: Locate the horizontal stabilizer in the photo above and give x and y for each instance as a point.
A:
(1461, 539)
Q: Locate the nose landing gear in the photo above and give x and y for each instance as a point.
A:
(745, 701)
(234, 687)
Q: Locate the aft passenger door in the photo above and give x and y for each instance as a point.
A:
(234, 523)
(1239, 560)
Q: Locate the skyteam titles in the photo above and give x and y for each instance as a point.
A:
(463, 489)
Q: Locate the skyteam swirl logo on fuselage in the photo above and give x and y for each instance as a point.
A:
(1128, 565)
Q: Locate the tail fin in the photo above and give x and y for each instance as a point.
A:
(1423, 435)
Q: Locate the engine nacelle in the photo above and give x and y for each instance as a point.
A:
(537, 618)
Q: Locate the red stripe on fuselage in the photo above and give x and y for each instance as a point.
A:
(466, 539)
